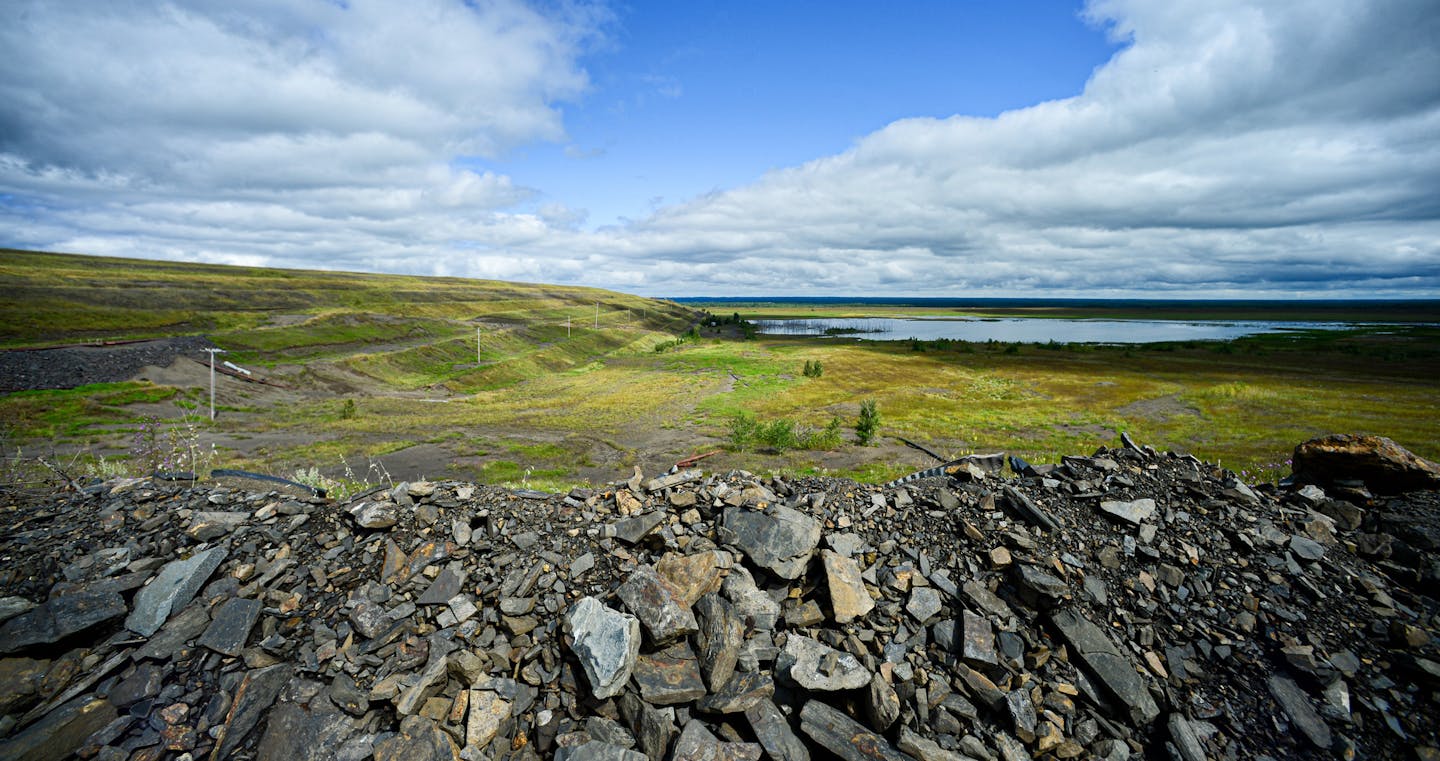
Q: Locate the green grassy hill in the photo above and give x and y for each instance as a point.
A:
(63, 298)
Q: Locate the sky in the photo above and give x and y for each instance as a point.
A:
(1111, 148)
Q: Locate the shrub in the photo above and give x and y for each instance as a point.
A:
(744, 430)
(813, 369)
(869, 423)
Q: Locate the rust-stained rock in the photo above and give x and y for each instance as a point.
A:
(1384, 466)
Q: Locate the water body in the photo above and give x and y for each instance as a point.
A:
(1036, 330)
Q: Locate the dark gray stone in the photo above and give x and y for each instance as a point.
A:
(62, 732)
(254, 696)
(293, 733)
(745, 689)
(231, 625)
(1296, 705)
(845, 737)
(597, 751)
(632, 530)
(664, 615)
(779, 539)
(171, 590)
(1115, 671)
(774, 733)
(1024, 508)
(59, 618)
(717, 640)
(420, 739)
(443, 589)
(1306, 548)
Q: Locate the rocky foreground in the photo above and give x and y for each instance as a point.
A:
(1129, 604)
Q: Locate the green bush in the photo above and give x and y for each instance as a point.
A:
(813, 369)
(869, 423)
(743, 433)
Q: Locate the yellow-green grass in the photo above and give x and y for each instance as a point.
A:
(68, 413)
(56, 298)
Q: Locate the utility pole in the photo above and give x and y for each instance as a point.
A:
(597, 315)
(477, 344)
(212, 353)
(567, 326)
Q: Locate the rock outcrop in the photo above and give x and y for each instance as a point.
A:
(1128, 604)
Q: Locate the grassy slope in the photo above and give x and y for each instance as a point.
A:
(58, 298)
(550, 400)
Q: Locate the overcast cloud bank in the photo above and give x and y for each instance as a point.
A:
(1229, 149)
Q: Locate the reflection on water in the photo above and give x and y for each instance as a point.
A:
(1035, 330)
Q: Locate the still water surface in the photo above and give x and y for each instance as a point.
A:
(1037, 330)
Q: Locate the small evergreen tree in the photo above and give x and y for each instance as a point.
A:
(869, 423)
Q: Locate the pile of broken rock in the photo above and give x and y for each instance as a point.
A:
(1128, 604)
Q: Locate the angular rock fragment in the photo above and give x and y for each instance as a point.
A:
(607, 643)
(924, 604)
(1134, 512)
(207, 526)
(843, 736)
(1301, 713)
(60, 617)
(254, 696)
(487, 714)
(419, 739)
(231, 626)
(849, 599)
(171, 589)
(669, 677)
(692, 576)
(1114, 670)
(779, 539)
(743, 690)
(664, 615)
(717, 640)
(61, 733)
(819, 667)
(1384, 466)
(774, 733)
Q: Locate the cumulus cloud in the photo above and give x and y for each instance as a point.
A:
(1228, 148)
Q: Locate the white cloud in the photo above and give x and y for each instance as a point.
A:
(1272, 147)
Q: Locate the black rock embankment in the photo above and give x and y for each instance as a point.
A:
(71, 366)
(1127, 604)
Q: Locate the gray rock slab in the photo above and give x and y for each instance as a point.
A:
(607, 643)
(443, 589)
(171, 589)
(208, 525)
(419, 739)
(718, 639)
(254, 696)
(773, 731)
(745, 689)
(977, 639)
(1115, 671)
(924, 603)
(62, 732)
(1183, 736)
(1134, 512)
(1306, 548)
(598, 751)
(1296, 705)
(819, 667)
(845, 737)
(59, 618)
(779, 539)
(179, 630)
(295, 734)
(1026, 509)
(664, 615)
(632, 530)
(375, 515)
(231, 625)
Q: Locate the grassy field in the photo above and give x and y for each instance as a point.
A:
(383, 379)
